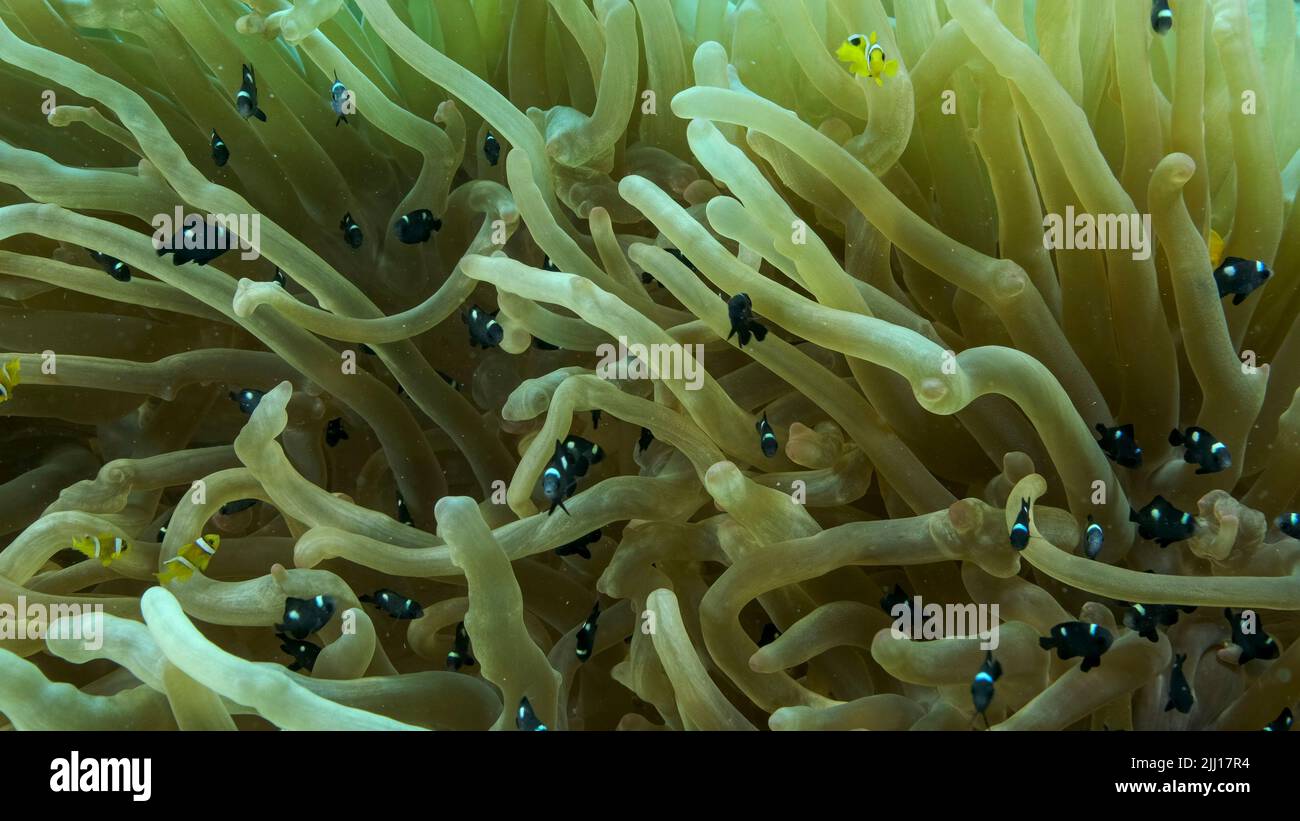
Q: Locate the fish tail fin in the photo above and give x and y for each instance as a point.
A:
(1180, 658)
(1132, 515)
(879, 80)
(1046, 642)
(1203, 470)
(584, 553)
(1175, 437)
(297, 665)
(1090, 662)
(1239, 298)
(759, 330)
(1169, 706)
(260, 114)
(366, 597)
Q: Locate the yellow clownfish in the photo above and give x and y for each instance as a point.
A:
(8, 378)
(105, 547)
(193, 556)
(866, 58)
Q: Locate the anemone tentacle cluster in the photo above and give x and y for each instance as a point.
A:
(649, 364)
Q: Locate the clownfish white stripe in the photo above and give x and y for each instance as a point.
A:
(202, 545)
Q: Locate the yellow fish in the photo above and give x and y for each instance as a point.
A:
(1216, 248)
(8, 378)
(193, 556)
(866, 58)
(105, 547)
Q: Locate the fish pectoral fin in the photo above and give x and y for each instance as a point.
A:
(891, 68)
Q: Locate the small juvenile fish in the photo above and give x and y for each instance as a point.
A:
(491, 149)
(595, 420)
(1144, 618)
(585, 639)
(302, 617)
(526, 719)
(579, 545)
(647, 436)
(1281, 724)
(1162, 18)
(559, 480)
(334, 432)
(547, 265)
(583, 452)
(351, 231)
(279, 278)
(417, 226)
(769, 634)
(1289, 523)
(304, 652)
(113, 266)
(1201, 448)
(459, 655)
(199, 244)
(740, 310)
(766, 438)
(104, 548)
(1075, 639)
(1162, 522)
(192, 557)
(1094, 537)
(246, 97)
(9, 378)
(1240, 277)
(394, 604)
(339, 97)
(866, 58)
(456, 385)
(1180, 692)
(220, 153)
(1120, 446)
(248, 399)
(1020, 530)
(403, 515)
(1256, 645)
(893, 599)
(981, 689)
(236, 506)
(484, 330)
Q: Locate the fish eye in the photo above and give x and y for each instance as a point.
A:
(855, 40)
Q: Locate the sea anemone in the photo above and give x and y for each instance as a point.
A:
(601, 364)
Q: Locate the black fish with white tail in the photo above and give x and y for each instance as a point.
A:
(1180, 692)
(740, 310)
(1201, 448)
(340, 100)
(1094, 538)
(246, 97)
(1248, 634)
(220, 153)
(1163, 523)
(459, 655)
(484, 330)
(304, 652)
(1240, 277)
(112, 266)
(334, 432)
(1162, 18)
(417, 226)
(1143, 619)
(585, 640)
(1078, 639)
(643, 441)
(1020, 530)
(302, 617)
(491, 149)
(1289, 523)
(766, 438)
(526, 719)
(394, 604)
(1119, 444)
(981, 689)
(248, 399)
(351, 231)
(578, 547)
(1281, 724)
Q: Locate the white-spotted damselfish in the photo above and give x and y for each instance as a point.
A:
(894, 598)
(484, 330)
(1254, 645)
(236, 506)
(740, 310)
(403, 515)
(246, 97)
(1201, 448)
(579, 545)
(199, 243)
(766, 438)
(248, 399)
(1163, 523)
(304, 652)
(1240, 277)
(491, 149)
(220, 153)
(769, 634)
(981, 689)
(1120, 446)
(1078, 639)
(1093, 539)
(339, 97)
(1180, 692)
(526, 719)
(1162, 19)
(459, 655)
(1281, 724)
(585, 639)
(113, 266)
(1289, 523)
(647, 436)
(394, 604)
(417, 226)
(1143, 619)
(302, 617)
(351, 231)
(1020, 530)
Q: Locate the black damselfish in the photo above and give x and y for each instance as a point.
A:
(1145, 618)
(585, 640)
(740, 310)
(1020, 530)
(302, 617)
(893, 599)
(583, 453)
(491, 149)
(572, 459)
(248, 399)
(1180, 692)
(403, 515)
(334, 432)
(769, 634)
(1093, 538)
(455, 383)
(595, 420)
(526, 719)
(246, 97)
(1120, 446)
(236, 506)
(113, 266)
(647, 436)
(1281, 724)
(1201, 448)
(1289, 523)
(459, 655)
(351, 231)
(1163, 523)
(279, 278)
(579, 545)
(981, 689)
(199, 243)
(1078, 639)
(1240, 277)
(340, 100)
(220, 153)
(394, 604)
(304, 652)
(1162, 19)
(766, 438)
(1254, 645)
(417, 226)
(484, 331)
